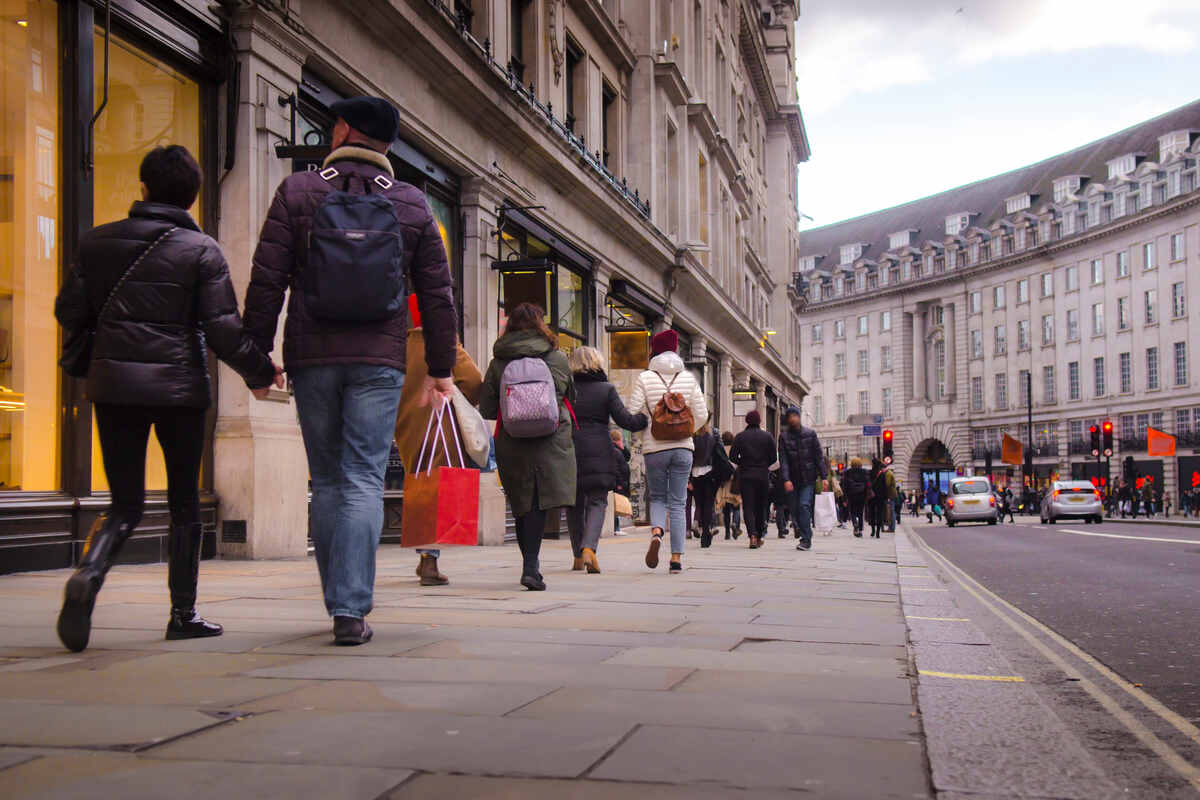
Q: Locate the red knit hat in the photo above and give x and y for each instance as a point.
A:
(666, 341)
(414, 312)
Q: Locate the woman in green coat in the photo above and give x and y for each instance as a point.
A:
(538, 474)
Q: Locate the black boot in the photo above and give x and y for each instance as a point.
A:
(183, 572)
(79, 598)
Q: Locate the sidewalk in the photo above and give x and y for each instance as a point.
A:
(755, 674)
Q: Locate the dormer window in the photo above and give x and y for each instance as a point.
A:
(809, 263)
(1120, 167)
(1173, 143)
(1065, 187)
(1018, 202)
(851, 253)
(900, 239)
(957, 223)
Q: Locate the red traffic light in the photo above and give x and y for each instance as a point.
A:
(1093, 429)
(1107, 426)
(887, 436)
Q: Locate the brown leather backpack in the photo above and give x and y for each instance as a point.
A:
(671, 420)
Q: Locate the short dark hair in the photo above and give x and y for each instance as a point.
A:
(171, 176)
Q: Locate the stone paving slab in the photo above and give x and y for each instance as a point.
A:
(539, 652)
(432, 741)
(28, 723)
(685, 709)
(488, 699)
(463, 787)
(888, 633)
(105, 776)
(821, 765)
(775, 663)
(768, 686)
(837, 649)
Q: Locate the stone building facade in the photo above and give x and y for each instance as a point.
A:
(629, 164)
(1076, 274)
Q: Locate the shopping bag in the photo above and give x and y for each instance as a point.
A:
(476, 438)
(622, 506)
(824, 512)
(441, 506)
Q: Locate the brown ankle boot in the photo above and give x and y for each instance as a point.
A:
(577, 564)
(589, 561)
(428, 571)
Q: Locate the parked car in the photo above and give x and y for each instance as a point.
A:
(971, 500)
(1072, 500)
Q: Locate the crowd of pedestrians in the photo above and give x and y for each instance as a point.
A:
(371, 350)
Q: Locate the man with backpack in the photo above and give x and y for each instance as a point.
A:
(350, 242)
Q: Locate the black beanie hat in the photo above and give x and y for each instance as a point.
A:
(370, 116)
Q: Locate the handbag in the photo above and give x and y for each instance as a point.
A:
(622, 506)
(76, 357)
(476, 438)
(824, 512)
(441, 507)
(671, 420)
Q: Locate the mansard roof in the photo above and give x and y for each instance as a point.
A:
(928, 215)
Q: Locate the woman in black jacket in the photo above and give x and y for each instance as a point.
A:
(156, 292)
(855, 484)
(754, 452)
(596, 402)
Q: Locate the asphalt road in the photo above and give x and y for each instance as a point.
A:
(1131, 602)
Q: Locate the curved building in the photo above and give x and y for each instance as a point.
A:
(1073, 279)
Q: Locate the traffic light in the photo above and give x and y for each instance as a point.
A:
(887, 447)
(1095, 432)
(1130, 469)
(1108, 437)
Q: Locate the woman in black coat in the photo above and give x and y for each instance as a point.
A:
(596, 402)
(754, 451)
(156, 292)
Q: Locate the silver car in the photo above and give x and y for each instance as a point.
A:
(1072, 500)
(971, 500)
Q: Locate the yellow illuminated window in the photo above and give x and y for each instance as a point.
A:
(30, 233)
(149, 104)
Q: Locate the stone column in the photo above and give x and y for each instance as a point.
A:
(920, 392)
(725, 392)
(949, 336)
(481, 286)
(260, 470)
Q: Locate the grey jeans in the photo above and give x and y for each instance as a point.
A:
(585, 520)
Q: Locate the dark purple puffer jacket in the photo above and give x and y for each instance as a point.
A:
(282, 254)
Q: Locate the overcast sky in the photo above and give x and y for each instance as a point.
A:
(906, 98)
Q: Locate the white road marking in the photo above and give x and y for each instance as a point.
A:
(1123, 536)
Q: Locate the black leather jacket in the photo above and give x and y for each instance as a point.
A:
(800, 458)
(151, 348)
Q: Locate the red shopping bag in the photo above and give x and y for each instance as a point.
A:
(441, 505)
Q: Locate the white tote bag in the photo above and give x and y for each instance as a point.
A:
(824, 512)
(476, 437)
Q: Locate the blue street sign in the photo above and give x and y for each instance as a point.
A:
(872, 430)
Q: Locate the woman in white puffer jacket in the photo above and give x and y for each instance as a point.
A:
(668, 463)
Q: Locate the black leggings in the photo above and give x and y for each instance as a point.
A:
(530, 528)
(124, 435)
(756, 503)
(704, 494)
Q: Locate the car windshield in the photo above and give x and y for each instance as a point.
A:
(1076, 486)
(971, 487)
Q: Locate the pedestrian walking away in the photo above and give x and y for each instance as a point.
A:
(349, 240)
(856, 485)
(779, 501)
(754, 451)
(412, 420)
(882, 495)
(933, 502)
(535, 450)
(147, 296)
(596, 404)
(729, 495)
(621, 458)
(674, 401)
(709, 470)
(801, 463)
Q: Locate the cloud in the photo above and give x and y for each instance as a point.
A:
(851, 47)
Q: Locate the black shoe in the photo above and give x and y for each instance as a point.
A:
(728, 535)
(782, 535)
(190, 625)
(533, 583)
(351, 631)
(804, 546)
(103, 544)
(75, 619)
(706, 540)
(676, 568)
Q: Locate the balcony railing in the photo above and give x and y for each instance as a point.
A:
(981, 453)
(1132, 444)
(1080, 447)
(1188, 439)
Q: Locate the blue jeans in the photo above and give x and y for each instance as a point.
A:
(801, 498)
(347, 416)
(667, 473)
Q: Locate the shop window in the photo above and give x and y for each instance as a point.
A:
(149, 104)
(30, 235)
(535, 278)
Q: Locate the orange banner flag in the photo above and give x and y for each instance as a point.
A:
(1011, 451)
(1159, 443)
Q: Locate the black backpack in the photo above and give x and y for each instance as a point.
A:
(355, 269)
(722, 468)
(855, 481)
